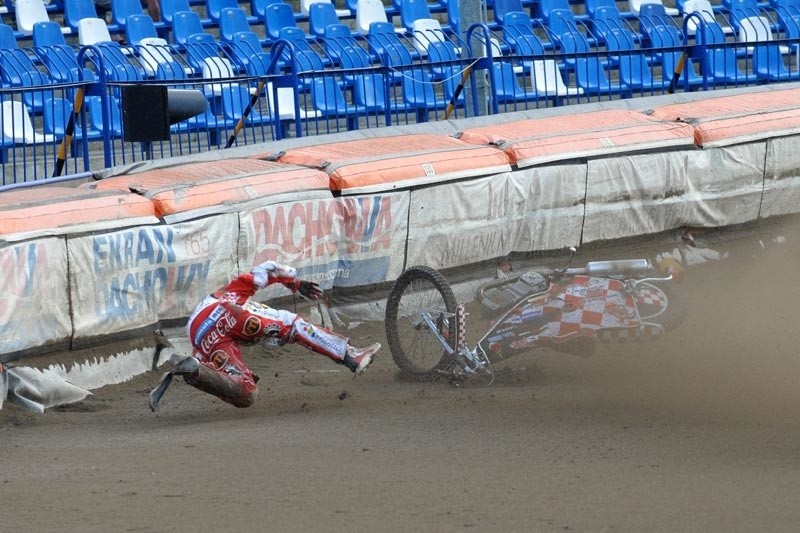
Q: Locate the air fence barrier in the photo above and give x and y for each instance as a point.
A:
(336, 83)
(118, 257)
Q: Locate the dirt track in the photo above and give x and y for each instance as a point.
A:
(697, 432)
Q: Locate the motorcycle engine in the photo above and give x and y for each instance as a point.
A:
(504, 296)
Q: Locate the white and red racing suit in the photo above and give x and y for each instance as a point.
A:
(225, 319)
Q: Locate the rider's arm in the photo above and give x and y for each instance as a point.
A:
(244, 286)
(270, 272)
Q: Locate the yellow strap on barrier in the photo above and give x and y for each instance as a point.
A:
(77, 104)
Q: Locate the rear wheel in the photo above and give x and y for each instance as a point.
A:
(660, 304)
(420, 291)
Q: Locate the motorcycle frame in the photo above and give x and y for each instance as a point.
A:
(473, 361)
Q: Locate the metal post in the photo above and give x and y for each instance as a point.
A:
(472, 12)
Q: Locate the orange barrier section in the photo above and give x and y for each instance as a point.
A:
(535, 141)
(738, 118)
(45, 208)
(230, 182)
(386, 163)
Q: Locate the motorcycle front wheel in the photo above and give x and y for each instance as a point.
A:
(420, 292)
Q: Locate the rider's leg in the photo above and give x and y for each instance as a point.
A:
(333, 345)
(225, 375)
(283, 326)
(222, 386)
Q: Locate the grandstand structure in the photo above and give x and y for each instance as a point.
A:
(269, 69)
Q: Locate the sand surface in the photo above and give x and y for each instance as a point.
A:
(699, 431)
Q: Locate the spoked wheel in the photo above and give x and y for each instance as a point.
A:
(419, 293)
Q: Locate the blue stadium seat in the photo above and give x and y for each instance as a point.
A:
(506, 88)
(184, 25)
(664, 37)
(352, 59)
(248, 53)
(383, 40)
(768, 64)
(516, 23)
(169, 8)
(306, 58)
(607, 19)
(338, 37)
(75, 10)
(592, 6)
(454, 17)
(528, 45)
(279, 16)
(235, 99)
(788, 14)
(116, 65)
(320, 16)
(199, 47)
(171, 71)
(94, 105)
(561, 21)
(419, 94)
(655, 15)
(62, 64)
(720, 64)
(503, 7)
(546, 6)
(57, 112)
(634, 70)
(232, 20)
(329, 100)
(7, 38)
(411, 10)
(741, 9)
(214, 8)
(47, 34)
(122, 9)
(18, 69)
(369, 92)
(446, 54)
(395, 56)
(259, 7)
(590, 74)
(139, 27)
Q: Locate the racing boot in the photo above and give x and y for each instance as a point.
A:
(325, 342)
(221, 386)
(181, 365)
(358, 359)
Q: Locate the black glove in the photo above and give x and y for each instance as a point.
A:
(309, 289)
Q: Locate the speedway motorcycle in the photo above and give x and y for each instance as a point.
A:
(567, 309)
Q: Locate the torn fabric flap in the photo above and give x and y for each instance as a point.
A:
(37, 390)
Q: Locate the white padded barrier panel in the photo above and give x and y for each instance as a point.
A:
(357, 240)
(34, 295)
(141, 275)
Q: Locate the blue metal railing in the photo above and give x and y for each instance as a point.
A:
(305, 87)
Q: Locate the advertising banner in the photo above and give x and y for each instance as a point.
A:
(650, 193)
(130, 279)
(34, 302)
(546, 206)
(636, 195)
(781, 178)
(533, 209)
(343, 242)
(726, 185)
(460, 223)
